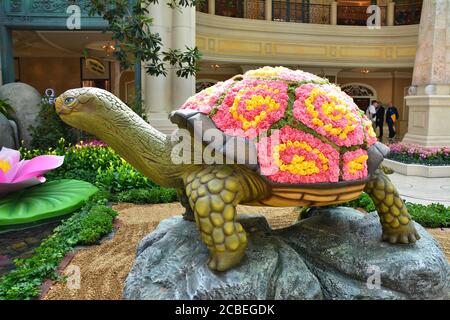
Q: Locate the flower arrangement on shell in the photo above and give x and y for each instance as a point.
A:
(306, 130)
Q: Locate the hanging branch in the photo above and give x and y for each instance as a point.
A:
(131, 28)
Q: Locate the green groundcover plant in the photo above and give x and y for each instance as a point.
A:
(85, 227)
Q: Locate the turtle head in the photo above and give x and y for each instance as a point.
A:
(85, 108)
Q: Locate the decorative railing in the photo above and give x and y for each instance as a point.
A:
(254, 9)
(305, 12)
(300, 11)
(230, 8)
(357, 15)
(250, 9)
(408, 13)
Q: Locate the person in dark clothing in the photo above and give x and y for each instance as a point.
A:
(391, 118)
(379, 122)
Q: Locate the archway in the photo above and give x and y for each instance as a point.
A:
(362, 93)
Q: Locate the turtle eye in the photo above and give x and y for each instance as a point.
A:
(69, 100)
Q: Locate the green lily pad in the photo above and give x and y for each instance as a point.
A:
(45, 201)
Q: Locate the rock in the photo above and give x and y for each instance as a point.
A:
(342, 248)
(7, 138)
(334, 254)
(25, 101)
(171, 264)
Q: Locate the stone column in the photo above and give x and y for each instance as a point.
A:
(212, 6)
(429, 96)
(390, 13)
(164, 94)
(158, 98)
(6, 54)
(333, 13)
(268, 10)
(183, 35)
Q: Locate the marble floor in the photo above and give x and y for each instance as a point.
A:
(422, 190)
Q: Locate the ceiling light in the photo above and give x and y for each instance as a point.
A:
(215, 66)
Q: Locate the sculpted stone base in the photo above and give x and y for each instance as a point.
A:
(334, 254)
(428, 120)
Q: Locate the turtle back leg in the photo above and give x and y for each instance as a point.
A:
(395, 219)
(213, 193)
(184, 200)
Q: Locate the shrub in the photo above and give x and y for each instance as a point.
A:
(121, 177)
(96, 224)
(429, 216)
(50, 128)
(141, 196)
(93, 163)
(434, 215)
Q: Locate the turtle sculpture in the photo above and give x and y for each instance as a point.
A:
(287, 138)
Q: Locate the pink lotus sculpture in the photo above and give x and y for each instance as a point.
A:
(16, 174)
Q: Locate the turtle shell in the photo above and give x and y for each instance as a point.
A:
(300, 128)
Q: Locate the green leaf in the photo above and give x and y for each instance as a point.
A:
(48, 200)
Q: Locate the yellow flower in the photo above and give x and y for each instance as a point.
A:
(4, 166)
(298, 164)
(357, 163)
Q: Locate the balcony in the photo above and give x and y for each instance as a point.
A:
(340, 12)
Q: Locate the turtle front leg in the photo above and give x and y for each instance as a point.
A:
(395, 219)
(214, 193)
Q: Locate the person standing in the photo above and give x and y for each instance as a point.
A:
(371, 112)
(391, 118)
(379, 122)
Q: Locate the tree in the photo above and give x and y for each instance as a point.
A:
(131, 30)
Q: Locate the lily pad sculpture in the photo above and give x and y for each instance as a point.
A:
(49, 200)
(290, 139)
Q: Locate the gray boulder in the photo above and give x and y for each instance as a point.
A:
(7, 134)
(334, 254)
(171, 264)
(25, 101)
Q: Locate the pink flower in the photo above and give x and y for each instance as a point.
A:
(419, 151)
(293, 156)
(369, 133)
(282, 73)
(354, 165)
(16, 174)
(251, 107)
(206, 99)
(329, 112)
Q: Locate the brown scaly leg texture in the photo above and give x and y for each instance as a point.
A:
(184, 200)
(214, 193)
(395, 219)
